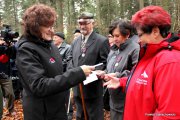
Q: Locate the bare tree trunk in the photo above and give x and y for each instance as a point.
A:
(141, 4)
(98, 21)
(73, 12)
(71, 17)
(121, 8)
(60, 12)
(15, 15)
(176, 20)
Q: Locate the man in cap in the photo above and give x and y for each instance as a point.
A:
(77, 33)
(64, 48)
(90, 49)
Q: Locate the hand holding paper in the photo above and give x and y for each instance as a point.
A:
(87, 69)
(91, 78)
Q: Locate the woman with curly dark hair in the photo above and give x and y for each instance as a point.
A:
(40, 67)
(152, 89)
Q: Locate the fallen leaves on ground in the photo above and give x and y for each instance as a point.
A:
(17, 114)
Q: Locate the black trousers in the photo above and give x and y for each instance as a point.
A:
(116, 115)
(94, 108)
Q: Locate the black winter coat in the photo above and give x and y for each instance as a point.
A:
(44, 86)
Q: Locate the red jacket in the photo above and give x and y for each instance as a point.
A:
(153, 90)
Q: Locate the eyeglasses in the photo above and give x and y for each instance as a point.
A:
(84, 23)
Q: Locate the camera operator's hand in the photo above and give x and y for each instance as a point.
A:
(2, 42)
(87, 69)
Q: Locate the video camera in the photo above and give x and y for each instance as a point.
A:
(8, 35)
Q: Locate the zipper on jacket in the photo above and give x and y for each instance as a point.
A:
(129, 78)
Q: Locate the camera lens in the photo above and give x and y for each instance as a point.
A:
(13, 34)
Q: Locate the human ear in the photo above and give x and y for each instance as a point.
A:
(155, 32)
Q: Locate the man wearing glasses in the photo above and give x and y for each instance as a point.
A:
(89, 48)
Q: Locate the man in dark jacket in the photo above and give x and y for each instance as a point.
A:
(90, 48)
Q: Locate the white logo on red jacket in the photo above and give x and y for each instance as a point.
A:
(143, 79)
(144, 75)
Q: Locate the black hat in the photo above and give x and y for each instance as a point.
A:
(86, 15)
(60, 34)
(77, 31)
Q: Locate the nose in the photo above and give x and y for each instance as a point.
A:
(115, 38)
(51, 30)
(82, 26)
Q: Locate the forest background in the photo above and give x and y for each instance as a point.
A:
(105, 12)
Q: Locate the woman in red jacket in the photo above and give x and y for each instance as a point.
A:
(152, 89)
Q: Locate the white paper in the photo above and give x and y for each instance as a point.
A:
(97, 65)
(91, 78)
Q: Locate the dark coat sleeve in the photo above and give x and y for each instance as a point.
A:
(70, 63)
(132, 61)
(67, 57)
(33, 75)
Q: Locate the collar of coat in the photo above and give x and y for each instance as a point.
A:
(38, 41)
(122, 46)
